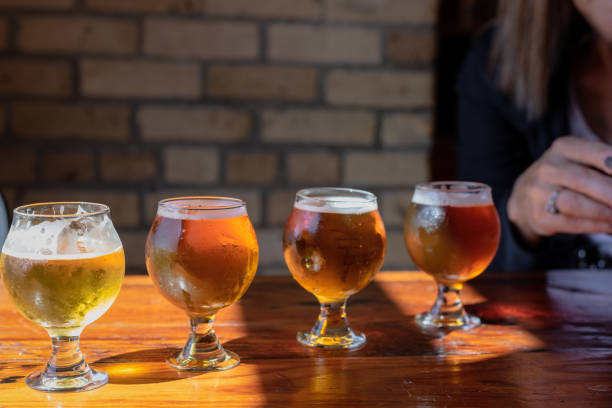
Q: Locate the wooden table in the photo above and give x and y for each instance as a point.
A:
(547, 342)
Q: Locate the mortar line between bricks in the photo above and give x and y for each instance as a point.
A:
(218, 18)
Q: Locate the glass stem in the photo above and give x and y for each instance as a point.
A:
(332, 320)
(66, 358)
(203, 343)
(448, 305)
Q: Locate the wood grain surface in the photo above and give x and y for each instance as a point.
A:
(546, 341)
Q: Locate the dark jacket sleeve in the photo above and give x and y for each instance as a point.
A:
(492, 147)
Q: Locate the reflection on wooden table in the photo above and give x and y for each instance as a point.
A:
(547, 341)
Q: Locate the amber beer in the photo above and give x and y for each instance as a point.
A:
(63, 293)
(453, 238)
(334, 249)
(201, 261)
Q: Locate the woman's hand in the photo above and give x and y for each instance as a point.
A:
(581, 171)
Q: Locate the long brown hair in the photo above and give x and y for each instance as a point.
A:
(529, 41)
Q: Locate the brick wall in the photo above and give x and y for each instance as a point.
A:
(129, 101)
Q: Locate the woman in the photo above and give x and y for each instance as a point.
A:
(535, 123)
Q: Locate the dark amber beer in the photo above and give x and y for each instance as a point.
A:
(201, 261)
(334, 243)
(453, 243)
(451, 231)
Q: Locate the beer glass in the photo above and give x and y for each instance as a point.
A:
(202, 254)
(451, 231)
(62, 265)
(334, 242)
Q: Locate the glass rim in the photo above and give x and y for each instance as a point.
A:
(366, 195)
(167, 202)
(469, 187)
(102, 209)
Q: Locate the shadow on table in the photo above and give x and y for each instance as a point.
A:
(292, 374)
(273, 318)
(142, 367)
(501, 362)
(497, 363)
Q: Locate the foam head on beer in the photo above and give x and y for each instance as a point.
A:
(63, 238)
(337, 205)
(436, 201)
(191, 209)
(441, 197)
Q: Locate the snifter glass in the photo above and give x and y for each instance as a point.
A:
(62, 265)
(334, 243)
(202, 255)
(451, 231)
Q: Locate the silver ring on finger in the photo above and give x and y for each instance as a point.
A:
(551, 205)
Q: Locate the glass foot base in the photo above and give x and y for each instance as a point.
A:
(350, 341)
(88, 381)
(463, 322)
(226, 361)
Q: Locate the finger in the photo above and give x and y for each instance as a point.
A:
(579, 178)
(565, 224)
(574, 204)
(592, 153)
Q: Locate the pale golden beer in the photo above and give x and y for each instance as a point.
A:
(334, 243)
(202, 255)
(333, 255)
(62, 265)
(63, 294)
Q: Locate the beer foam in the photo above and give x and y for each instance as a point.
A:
(64, 239)
(201, 209)
(337, 205)
(451, 198)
